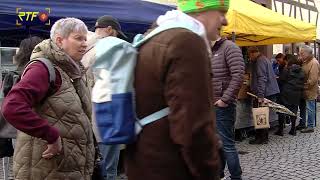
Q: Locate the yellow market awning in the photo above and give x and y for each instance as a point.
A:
(254, 24)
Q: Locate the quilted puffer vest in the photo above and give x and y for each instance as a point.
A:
(64, 110)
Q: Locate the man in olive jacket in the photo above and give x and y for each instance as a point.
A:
(311, 70)
(173, 70)
(227, 66)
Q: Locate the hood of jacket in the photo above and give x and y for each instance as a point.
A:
(217, 44)
(295, 70)
(180, 18)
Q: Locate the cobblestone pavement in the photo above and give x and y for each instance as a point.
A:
(283, 158)
(288, 157)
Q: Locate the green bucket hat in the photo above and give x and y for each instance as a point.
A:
(189, 6)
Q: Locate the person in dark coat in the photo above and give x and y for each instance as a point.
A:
(227, 67)
(263, 84)
(292, 82)
(279, 64)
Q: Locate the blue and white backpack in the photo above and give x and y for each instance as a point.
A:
(113, 93)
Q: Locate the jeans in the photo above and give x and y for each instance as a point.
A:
(307, 107)
(225, 118)
(311, 106)
(303, 113)
(109, 163)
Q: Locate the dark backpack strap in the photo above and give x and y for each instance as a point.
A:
(49, 66)
(51, 71)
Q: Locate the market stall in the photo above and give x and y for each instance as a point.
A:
(135, 16)
(251, 24)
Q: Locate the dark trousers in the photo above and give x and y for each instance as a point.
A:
(282, 117)
(262, 135)
(303, 113)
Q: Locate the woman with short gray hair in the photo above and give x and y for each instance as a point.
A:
(55, 139)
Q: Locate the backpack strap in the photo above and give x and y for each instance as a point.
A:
(49, 66)
(51, 71)
(151, 118)
(158, 30)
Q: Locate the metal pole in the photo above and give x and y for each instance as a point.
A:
(318, 51)
(315, 114)
(292, 48)
(5, 164)
(0, 65)
(233, 37)
(315, 107)
(315, 48)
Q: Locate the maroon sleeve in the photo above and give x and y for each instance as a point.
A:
(31, 90)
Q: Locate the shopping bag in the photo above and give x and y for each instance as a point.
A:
(261, 117)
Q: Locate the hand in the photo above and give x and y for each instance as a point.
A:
(266, 101)
(53, 149)
(220, 103)
(261, 100)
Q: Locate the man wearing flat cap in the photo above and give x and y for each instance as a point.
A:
(173, 70)
(104, 27)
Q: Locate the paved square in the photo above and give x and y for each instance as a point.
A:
(288, 157)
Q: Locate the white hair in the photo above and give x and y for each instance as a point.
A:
(306, 49)
(65, 26)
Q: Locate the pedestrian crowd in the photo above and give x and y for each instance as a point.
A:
(189, 68)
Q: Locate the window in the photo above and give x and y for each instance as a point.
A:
(7, 54)
(6, 60)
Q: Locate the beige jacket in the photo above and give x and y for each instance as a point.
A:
(311, 70)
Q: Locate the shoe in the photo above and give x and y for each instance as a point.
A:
(300, 127)
(240, 135)
(293, 132)
(258, 141)
(307, 130)
(239, 138)
(279, 133)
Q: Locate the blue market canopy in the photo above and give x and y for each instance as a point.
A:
(135, 16)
